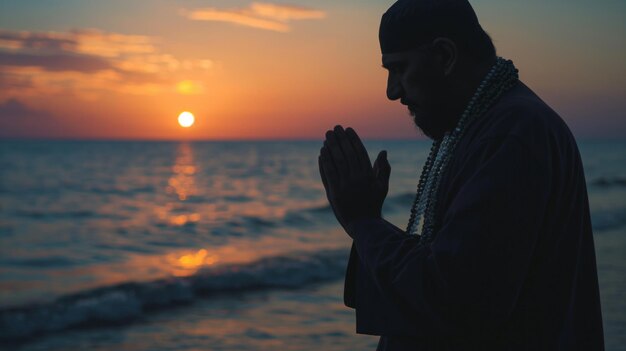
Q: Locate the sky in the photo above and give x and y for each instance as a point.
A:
(87, 69)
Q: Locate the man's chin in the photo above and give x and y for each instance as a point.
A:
(425, 125)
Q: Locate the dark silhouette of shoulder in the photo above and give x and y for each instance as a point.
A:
(522, 115)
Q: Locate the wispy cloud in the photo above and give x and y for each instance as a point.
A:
(243, 19)
(78, 63)
(82, 41)
(87, 61)
(285, 12)
(258, 15)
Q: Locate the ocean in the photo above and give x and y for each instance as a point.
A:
(213, 245)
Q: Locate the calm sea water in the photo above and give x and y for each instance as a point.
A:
(217, 245)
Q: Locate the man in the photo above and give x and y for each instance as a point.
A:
(498, 253)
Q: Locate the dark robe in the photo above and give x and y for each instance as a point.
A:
(512, 266)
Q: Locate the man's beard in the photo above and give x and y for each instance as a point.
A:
(432, 125)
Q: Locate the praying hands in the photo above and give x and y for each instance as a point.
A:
(354, 188)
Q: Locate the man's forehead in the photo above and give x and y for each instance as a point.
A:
(395, 57)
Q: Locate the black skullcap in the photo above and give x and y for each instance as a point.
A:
(411, 23)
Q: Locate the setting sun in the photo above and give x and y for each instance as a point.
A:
(186, 119)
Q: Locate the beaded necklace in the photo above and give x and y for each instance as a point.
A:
(502, 76)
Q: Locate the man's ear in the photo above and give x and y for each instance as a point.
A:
(446, 53)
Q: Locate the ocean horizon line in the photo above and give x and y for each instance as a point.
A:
(174, 140)
(244, 140)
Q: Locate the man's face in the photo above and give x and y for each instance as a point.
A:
(421, 86)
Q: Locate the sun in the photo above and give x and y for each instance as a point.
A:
(186, 119)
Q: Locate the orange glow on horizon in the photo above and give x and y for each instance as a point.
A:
(266, 70)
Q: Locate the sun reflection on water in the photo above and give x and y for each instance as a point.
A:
(190, 263)
(181, 220)
(182, 182)
(182, 185)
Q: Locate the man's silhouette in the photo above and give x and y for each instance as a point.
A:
(498, 253)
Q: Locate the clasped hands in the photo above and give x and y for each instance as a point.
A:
(355, 189)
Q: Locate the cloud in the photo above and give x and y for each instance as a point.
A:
(95, 42)
(88, 61)
(258, 15)
(60, 62)
(243, 19)
(34, 40)
(82, 41)
(285, 12)
(84, 50)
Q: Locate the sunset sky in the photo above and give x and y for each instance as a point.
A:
(263, 70)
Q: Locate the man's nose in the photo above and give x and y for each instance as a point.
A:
(394, 88)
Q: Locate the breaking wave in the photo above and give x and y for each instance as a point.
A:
(125, 302)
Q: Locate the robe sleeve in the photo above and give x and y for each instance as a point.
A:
(469, 278)
(349, 290)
